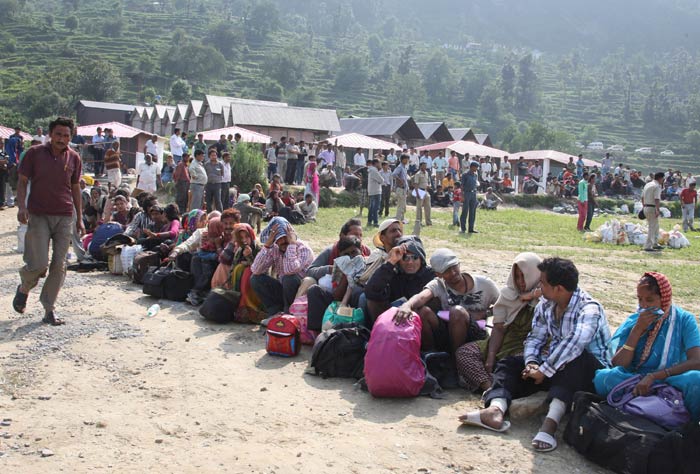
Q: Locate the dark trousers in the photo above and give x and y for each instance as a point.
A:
(225, 195)
(300, 172)
(589, 215)
(318, 299)
(386, 198)
(468, 208)
(576, 375)
(291, 171)
(98, 167)
(181, 189)
(276, 295)
(271, 170)
(213, 194)
(373, 211)
(3, 186)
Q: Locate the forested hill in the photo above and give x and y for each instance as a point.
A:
(535, 74)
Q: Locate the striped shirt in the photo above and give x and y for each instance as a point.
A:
(294, 261)
(582, 327)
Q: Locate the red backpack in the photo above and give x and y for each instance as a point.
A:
(282, 337)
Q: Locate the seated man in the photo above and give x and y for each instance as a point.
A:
(142, 220)
(568, 342)
(288, 257)
(308, 208)
(465, 299)
(250, 214)
(319, 298)
(491, 200)
(404, 274)
(389, 232)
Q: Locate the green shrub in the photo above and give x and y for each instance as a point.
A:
(248, 167)
(533, 200)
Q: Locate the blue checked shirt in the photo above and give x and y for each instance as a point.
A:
(582, 327)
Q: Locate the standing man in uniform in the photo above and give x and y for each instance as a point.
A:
(54, 202)
(470, 183)
(651, 200)
(401, 187)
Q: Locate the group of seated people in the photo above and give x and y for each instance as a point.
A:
(547, 332)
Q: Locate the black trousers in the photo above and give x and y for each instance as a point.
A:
(3, 185)
(291, 171)
(386, 197)
(318, 299)
(574, 376)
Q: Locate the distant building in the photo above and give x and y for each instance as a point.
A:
(434, 132)
(463, 134)
(399, 130)
(483, 139)
(89, 112)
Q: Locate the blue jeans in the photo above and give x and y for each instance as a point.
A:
(373, 211)
(468, 208)
(271, 169)
(300, 172)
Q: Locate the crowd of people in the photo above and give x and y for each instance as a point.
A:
(548, 333)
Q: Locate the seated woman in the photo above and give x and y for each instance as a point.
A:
(404, 274)
(273, 206)
(122, 212)
(92, 213)
(193, 224)
(250, 308)
(664, 348)
(166, 222)
(276, 183)
(512, 321)
(230, 218)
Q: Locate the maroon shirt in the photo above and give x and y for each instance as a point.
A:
(52, 179)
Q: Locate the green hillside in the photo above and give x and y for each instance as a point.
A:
(369, 57)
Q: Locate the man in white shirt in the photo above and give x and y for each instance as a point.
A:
(40, 137)
(651, 201)
(340, 161)
(413, 161)
(271, 155)
(226, 180)
(99, 151)
(392, 159)
(176, 145)
(359, 159)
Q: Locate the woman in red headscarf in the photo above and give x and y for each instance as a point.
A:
(660, 341)
(250, 306)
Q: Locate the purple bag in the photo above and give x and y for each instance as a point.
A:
(663, 405)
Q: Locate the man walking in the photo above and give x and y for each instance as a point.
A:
(470, 183)
(386, 188)
(374, 191)
(689, 199)
(400, 175)
(421, 185)
(651, 200)
(177, 145)
(50, 213)
(582, 201)
(198, 179)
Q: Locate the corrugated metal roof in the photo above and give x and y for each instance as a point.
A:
(462, 147)
(106, 105)
(483, 139)
(461, 133)
(6, 132)
(356, 140)
(217, 102)
(120, 130)
(382, 126)
(283, 116)
(435, 130)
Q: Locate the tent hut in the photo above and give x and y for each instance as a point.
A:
(402, 130)
(434, 132)
(463, 134)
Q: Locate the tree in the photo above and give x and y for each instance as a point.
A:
(405, 60)
(405, 94)
(490, 104)
(113, 27)
(507, 84)
(269, 89)
(71, 23)
(94, 79)
(350, 72)
(590, 134)
(692, 138)
(248, 166)
(525, 92)
(287, 67)
(437, 77)
(264, 18)
(227, 39)
(204, 63)
(180, 91)
(375, 46)
(9, 8)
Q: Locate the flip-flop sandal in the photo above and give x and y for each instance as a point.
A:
(543, 437)
(473, 418)
(51, 319)
(19, 303)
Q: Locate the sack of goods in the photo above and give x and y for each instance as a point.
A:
(340, 351)
(283, 336)
(393, 366)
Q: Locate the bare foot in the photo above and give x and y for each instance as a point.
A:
(549, 426)
(491, 416)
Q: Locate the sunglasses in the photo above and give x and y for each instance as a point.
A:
(409, 257)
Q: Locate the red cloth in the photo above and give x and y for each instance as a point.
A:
(582, 212)
(666, 295)
(688, 196)
(52, 180)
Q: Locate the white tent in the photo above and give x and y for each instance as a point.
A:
(247, 136)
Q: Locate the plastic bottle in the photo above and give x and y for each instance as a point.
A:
(153, 310)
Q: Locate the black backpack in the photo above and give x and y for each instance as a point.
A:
(611, 438)
(220, 306)
(340, 351)
(678, 452)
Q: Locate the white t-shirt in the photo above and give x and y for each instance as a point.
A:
(226, 178)
(359, 159)
(147, 177)
(482, 295)
(151, 147)
(176, 145)
(271, 156)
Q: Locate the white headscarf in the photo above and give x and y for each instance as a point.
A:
(509, 304)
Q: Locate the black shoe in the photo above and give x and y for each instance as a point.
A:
(651, 250)
(473, 231)
(52, 319)
(19, 303)
(658, 247)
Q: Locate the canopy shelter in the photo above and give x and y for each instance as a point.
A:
(463, 147)
(247, 136)
(132, 141)
(5, 133)
(548, 158)
(356, 140)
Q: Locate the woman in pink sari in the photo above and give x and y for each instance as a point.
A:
(311, 180)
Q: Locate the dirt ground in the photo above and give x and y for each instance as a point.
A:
(114, 391)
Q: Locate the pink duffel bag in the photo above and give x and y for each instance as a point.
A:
(393, 366)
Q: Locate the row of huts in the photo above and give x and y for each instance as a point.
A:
(274, 119)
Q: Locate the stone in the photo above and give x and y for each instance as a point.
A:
(159, 440)
(45, 453)
(523, 408)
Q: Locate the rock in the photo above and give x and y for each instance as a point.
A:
(101, 424)
(44, 397)
(45, 453)
(264, 389)
(159, 440)
(522, 408)
(187, 340)
(6, 435)
(5, 423)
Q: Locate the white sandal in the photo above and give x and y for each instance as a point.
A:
(544, 437)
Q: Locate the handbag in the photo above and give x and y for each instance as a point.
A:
(336, 313)
(641, 214)
(663, 405)
(167, 282)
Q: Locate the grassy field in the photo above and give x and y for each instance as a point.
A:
(609, 272)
